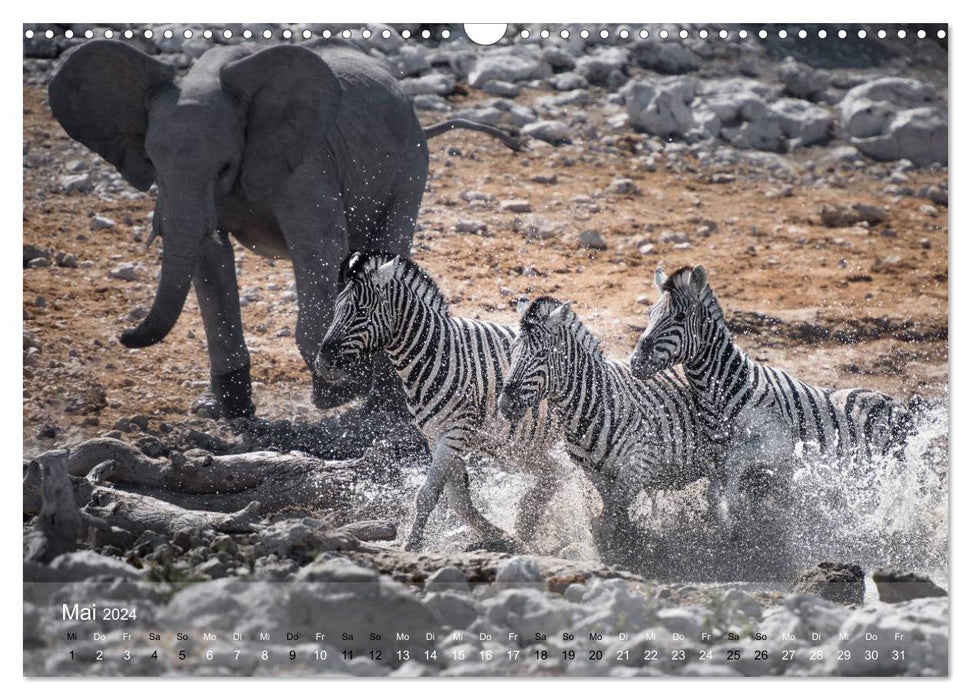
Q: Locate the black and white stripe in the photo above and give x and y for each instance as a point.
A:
(627, 434)
(452, 370)
(759, 415)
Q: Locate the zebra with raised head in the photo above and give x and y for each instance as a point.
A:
(452, 370)
(759, 417)
(626, 434)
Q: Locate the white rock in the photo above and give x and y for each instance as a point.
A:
(894, 118)
(660, 107)
(76, 183)
(502, 88)
(431, 84)
(521, 571)
(553, 132)
(803, 120)
(101, 222)
(515, 64)
(129, 272)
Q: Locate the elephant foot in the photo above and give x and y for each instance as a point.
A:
(229, 396)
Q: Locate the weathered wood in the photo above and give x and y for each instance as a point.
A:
(137, 513)
(371, 530)
(58, 525)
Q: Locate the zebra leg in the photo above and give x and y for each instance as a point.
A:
(460, 498)
(535, 501)
(445, 459)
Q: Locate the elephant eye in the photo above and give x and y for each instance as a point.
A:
(224, 171)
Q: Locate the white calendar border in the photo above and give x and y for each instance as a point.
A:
(489, 10)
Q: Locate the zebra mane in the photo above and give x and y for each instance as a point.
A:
(680, 281)
(405, 271)
(539, 311)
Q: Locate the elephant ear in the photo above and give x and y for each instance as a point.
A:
(100, 96)
(290, 95)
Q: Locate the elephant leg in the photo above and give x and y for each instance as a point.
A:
(229, 360)
(316, 237)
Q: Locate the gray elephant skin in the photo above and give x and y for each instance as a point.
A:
(299, 151)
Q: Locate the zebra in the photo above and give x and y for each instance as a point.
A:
(760, 417)
(452, 370)
(626, 434)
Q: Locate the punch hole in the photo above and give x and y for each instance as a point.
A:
(287, 33)
(861, 34)
(703, 34)
(307, 34)
(921, 34)
(544, 34)
(227, 34)
(386, 34)
(425, 34)
(643, 34)
(446, 34)
(723, 34)
(742, 33)
(29, 34)
(564, 33)
(604, 34)
(763, 34)
(128, 33)
(247, 34)
(207, 34)
(584, 33)
(489, 34)
(405, 33)
(881, 34)
(148, 33)
(663, 33)
(346, 33)
(88, 34)
(623, 33)
(783, 33)
(683, 33)
(187, 34)
(68, 34)
(167, 33)
(366, 33)
(941, 34)
(821, 34)
(524, 34)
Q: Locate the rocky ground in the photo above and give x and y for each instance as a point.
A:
(816, 197)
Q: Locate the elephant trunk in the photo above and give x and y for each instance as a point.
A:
(180, 255)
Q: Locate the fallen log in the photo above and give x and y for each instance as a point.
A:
(199, 480)
(136, 513)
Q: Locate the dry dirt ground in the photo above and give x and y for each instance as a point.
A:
(856, 305)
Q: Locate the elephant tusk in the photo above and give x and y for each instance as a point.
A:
(151, 238)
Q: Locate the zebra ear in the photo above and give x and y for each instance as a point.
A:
(522, 305)
(699, 280)
(559, 316)
(659, 278)
(382, 276)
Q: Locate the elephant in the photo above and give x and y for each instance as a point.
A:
(299, 151)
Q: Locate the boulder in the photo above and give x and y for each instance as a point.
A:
(894, 118)
(564, 82)
(897, 586)
(86, 565)
(801, 80)
(660, 107)
(431, 84)
(672, 57)
(803, 121)
(603, 66)
(515, 64)
(519, 572)
(839, 583)
(554, 132)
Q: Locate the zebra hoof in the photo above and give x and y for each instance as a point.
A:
(501, 545)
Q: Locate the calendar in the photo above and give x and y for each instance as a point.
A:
(485, 350)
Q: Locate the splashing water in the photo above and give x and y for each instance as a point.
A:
(882, 513)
